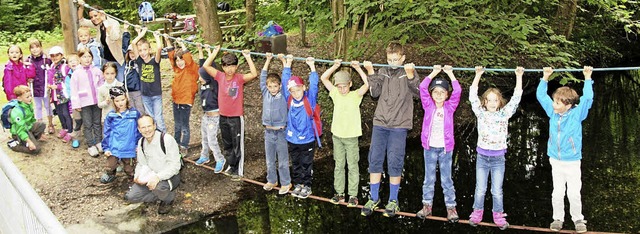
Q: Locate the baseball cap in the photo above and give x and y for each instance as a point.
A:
(56, 50)
(439, 82)
(294, 81)
(341, 77)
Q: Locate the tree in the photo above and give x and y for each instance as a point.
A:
(206, 11)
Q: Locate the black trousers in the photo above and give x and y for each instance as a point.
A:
(302, 157)
(232, 131)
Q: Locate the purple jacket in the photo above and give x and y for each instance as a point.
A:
(57, 75)
(430, 107)
(39, 63)
(15, 74)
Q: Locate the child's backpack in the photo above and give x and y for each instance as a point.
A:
(6, 112)
(271, 29)
(145, 12)
(189, 24)
(315, 114)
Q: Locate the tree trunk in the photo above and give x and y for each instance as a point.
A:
(565, 17)
(340, 34)
(251, 15)
(303, 28)
(206, 12)
(69, 21)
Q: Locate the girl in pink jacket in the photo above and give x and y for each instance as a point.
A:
(84, 98)
(16, 72)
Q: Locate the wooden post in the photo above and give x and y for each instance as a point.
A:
(69, 21)
(206, 12)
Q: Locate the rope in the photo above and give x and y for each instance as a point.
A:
(375, 64)
(436, 218)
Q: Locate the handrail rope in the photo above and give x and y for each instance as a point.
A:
(407, 214)
(375, 64)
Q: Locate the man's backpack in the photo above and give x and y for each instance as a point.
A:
(164, 149)
(145, 12)
(189, 24)
(314, 113)
(6, 112)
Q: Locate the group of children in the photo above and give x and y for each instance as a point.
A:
(292, 127)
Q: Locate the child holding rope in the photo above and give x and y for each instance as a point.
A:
(149, 64)
(493, 113)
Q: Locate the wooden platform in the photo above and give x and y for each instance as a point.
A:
(174, 31)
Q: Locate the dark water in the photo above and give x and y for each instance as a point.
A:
(610, 176)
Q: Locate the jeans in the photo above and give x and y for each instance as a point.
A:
(432, 157)
(389, 143)
(346, 151)
(135, 99)
(65, 117)
(91, 120)
(275, 147)
(486, 165)
(302, 157)
(153, 107)
(566, 177)
(209, 131)
(181, 113)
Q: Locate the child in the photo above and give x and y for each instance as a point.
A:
(120, 134)
(86, 41)
(210, 123)
(16, 72)
(300, 126)
(274, 119)
(231, 88)
(493, 113)
(393, 118)
(132, 80)
(437, 138)
(72, 61)
(346, 128)
(59, 97)
(40, 96)
(565, 145)
(25, 131)
(183, 91)
(84, 98)
(109, 71)
(151, 86)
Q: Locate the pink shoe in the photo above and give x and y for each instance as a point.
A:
(475, 217)
(500, 221)
(66, 138)
(62, 133)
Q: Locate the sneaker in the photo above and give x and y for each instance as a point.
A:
(284, 189)
(500, 221)
(556, 225)
(201, 161)
(236, 177)
(426, 211)
(369, 207)
(219, 167)
(391, 208)
(62, 133)
(337, 198)
(353, 201)
(184, 151)
(75, 143)
(269, 186)
(106, 178)
(164, 208)
(93, 151)
(99, 147)
(476, 217)
(296, 190)
(452, 214)
(581, 226)
(227, 172)
(66, 138)
(305, 192)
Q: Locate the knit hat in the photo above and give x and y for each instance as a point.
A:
(116, 91)
(341, 77)
(56, 50)
(439, 82)
(294, 81)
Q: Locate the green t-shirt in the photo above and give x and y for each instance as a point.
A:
(346, 121)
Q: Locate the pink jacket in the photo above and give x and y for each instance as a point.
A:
(84, 86)
(16, 74)
(429, 107)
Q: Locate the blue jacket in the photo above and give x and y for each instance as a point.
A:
(208, 90)
(565, 130)
(274, 108)
(121, 133)
(300, 124)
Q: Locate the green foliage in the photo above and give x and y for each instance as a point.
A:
(9, 38)
(28, 15)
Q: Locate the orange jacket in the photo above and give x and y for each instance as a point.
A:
(184, 86)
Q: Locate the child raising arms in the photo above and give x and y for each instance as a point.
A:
(493, 113)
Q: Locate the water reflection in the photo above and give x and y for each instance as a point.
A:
(610, 175)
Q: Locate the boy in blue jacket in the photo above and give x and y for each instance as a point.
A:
(300, 131)
(567, 110)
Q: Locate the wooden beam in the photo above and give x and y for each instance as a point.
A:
(69, 21)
